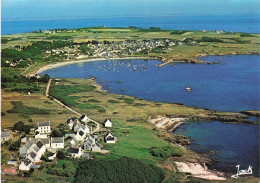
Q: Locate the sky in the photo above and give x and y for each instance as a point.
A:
(47, 9)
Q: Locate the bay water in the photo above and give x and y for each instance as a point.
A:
(232, 85)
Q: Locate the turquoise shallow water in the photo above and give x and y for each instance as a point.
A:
(232, 85)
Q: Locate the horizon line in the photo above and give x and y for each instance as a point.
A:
(124, 16)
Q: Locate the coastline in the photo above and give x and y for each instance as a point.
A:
(51, 66)
(99, 87)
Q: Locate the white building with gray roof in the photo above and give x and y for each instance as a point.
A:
(44, 127)
(57, 142)
(5, 136)
(25, 165)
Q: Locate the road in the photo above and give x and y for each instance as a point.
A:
(67, 107)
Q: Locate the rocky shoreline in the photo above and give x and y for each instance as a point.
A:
(193, 163)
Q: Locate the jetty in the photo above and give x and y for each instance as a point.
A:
(165, 63)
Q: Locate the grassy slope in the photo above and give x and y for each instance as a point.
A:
(135, 134)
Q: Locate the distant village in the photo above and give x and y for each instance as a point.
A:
(105, 49)
(117, 49)
(78, 143)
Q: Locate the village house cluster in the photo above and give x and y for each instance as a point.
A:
(116, 49)
(78, 143)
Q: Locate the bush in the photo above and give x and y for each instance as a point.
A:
(126, 100)
(113, 101)
(178, 32)
(15, 146)
(20, 126)
(166, 151)
(210, 39)
(94, 100)
(62, 154)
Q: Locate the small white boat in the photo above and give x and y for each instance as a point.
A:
(188, 89)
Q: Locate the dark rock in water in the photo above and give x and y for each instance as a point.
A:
(178, 103)
(252, 113)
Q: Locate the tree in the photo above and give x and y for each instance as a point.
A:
(56, 133)
(15, 146)
(19, 126)
(84, 48)
(45, 78)
(62, 154)
(69, 169)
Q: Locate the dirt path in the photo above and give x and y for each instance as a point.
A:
(67, 107)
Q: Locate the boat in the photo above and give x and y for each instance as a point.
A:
(188, 89)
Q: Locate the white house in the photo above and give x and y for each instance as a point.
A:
(24, 149)
(96, 147)
(110, 137)
(46, 142)
(82, 133)
(36, 151)
(24, 139)
(44, 127)
(75, 152)
(33, 156)
(69, 123)
(25, 165)
(72, 142)
(108, 123)
(57, 142)
(84, 118)
(5, 136)
(90, 141)
(76, 127)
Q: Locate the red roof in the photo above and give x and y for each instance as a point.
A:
(10, 171)
(38, 163)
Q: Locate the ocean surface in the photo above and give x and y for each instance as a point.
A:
(235, 23)
(229, 144)
(232, 85)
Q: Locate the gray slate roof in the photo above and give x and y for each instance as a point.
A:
(5, 134)
(26, 146)
(97, 144)
(109, 133)
(57, 140)
(40, 124)
(45, 141)
(73, 150)
(32, 154)
(81, 133)
(39, 144)
(35, 148)
(27, 161)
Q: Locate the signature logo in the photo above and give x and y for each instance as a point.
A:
(249, 171)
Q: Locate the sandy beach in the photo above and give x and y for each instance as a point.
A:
(51, 66)
(200, 171)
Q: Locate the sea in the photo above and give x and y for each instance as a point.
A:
(232, 85)
(235, 23)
